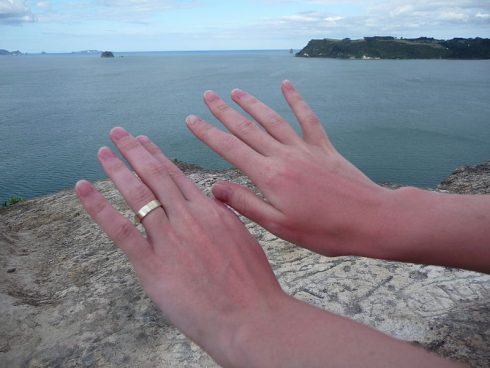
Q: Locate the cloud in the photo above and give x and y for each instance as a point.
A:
(429, 12)
(305, 17)
(138, 6)
(483, 15)
(43, 4)
(277, 23)
(136, 11)
(126, 11)
(15, 12)
(439, 18)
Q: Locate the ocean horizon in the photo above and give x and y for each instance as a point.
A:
(150, 52)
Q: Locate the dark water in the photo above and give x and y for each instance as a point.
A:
(410, 122)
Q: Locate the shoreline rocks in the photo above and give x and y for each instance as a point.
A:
(69, 298)
(468, 180)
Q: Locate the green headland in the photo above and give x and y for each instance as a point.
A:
(398, 48)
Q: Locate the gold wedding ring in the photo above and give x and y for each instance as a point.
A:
(145, 210)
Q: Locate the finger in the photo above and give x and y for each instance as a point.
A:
(272, 122)
(115, 225)
(247, 203)
(187, 187)
(134, 191)
(227, 146)
(239, 125)
(151, 171)
(313, 131)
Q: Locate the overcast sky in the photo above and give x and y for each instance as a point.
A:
(143, 25)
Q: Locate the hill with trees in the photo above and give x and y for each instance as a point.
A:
(398, 48)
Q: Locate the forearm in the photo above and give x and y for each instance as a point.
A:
(436, 228)
(300, 335)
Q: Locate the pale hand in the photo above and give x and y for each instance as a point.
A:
(315, 198)
(308, 186)
(212, 280)
(198, 262)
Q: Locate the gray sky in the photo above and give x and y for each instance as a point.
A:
(144, 25)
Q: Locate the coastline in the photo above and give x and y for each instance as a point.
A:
(467, 179)
(68, 297)
(388, 47)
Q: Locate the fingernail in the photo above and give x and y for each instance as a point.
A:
(83, 188)
(191, 119)
(238, 93)
(105, 153)
(288, 85)
(210, 96)
(117, 133)
(143, 138)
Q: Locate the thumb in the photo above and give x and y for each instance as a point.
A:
(246, 203)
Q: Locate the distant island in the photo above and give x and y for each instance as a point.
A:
(398, 48)
(14, 53)
(107, 54)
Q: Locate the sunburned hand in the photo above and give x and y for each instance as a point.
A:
(198, 262)
(315, 198)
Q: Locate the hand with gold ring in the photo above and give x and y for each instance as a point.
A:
(211, 278)
(197, 262)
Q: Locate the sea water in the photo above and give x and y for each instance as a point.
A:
(404, 121)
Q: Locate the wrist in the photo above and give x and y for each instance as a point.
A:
(237, 344)
(399, 227)
(422, 226)
(372, 230)
(249, 344)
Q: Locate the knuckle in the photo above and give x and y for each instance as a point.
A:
(275, 121)
(253, 101)
(123, 231)
(222, 107)
(229, 142)
(141, 195)
(116, 165)
(245, 126)
(277, 226)
(241, 203)
(155, 169)
(285, 227)
(174, 172)
(203, 131)
(297, 98)
(128, 144)
(311, 118)
(275, 176)
(152, 148)
(96, 208)
(208, 135)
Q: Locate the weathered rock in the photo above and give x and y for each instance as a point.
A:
(74, 301)
(468, 179)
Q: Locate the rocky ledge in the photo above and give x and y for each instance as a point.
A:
(69, 298)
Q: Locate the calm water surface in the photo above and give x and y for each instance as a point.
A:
(410, 122)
